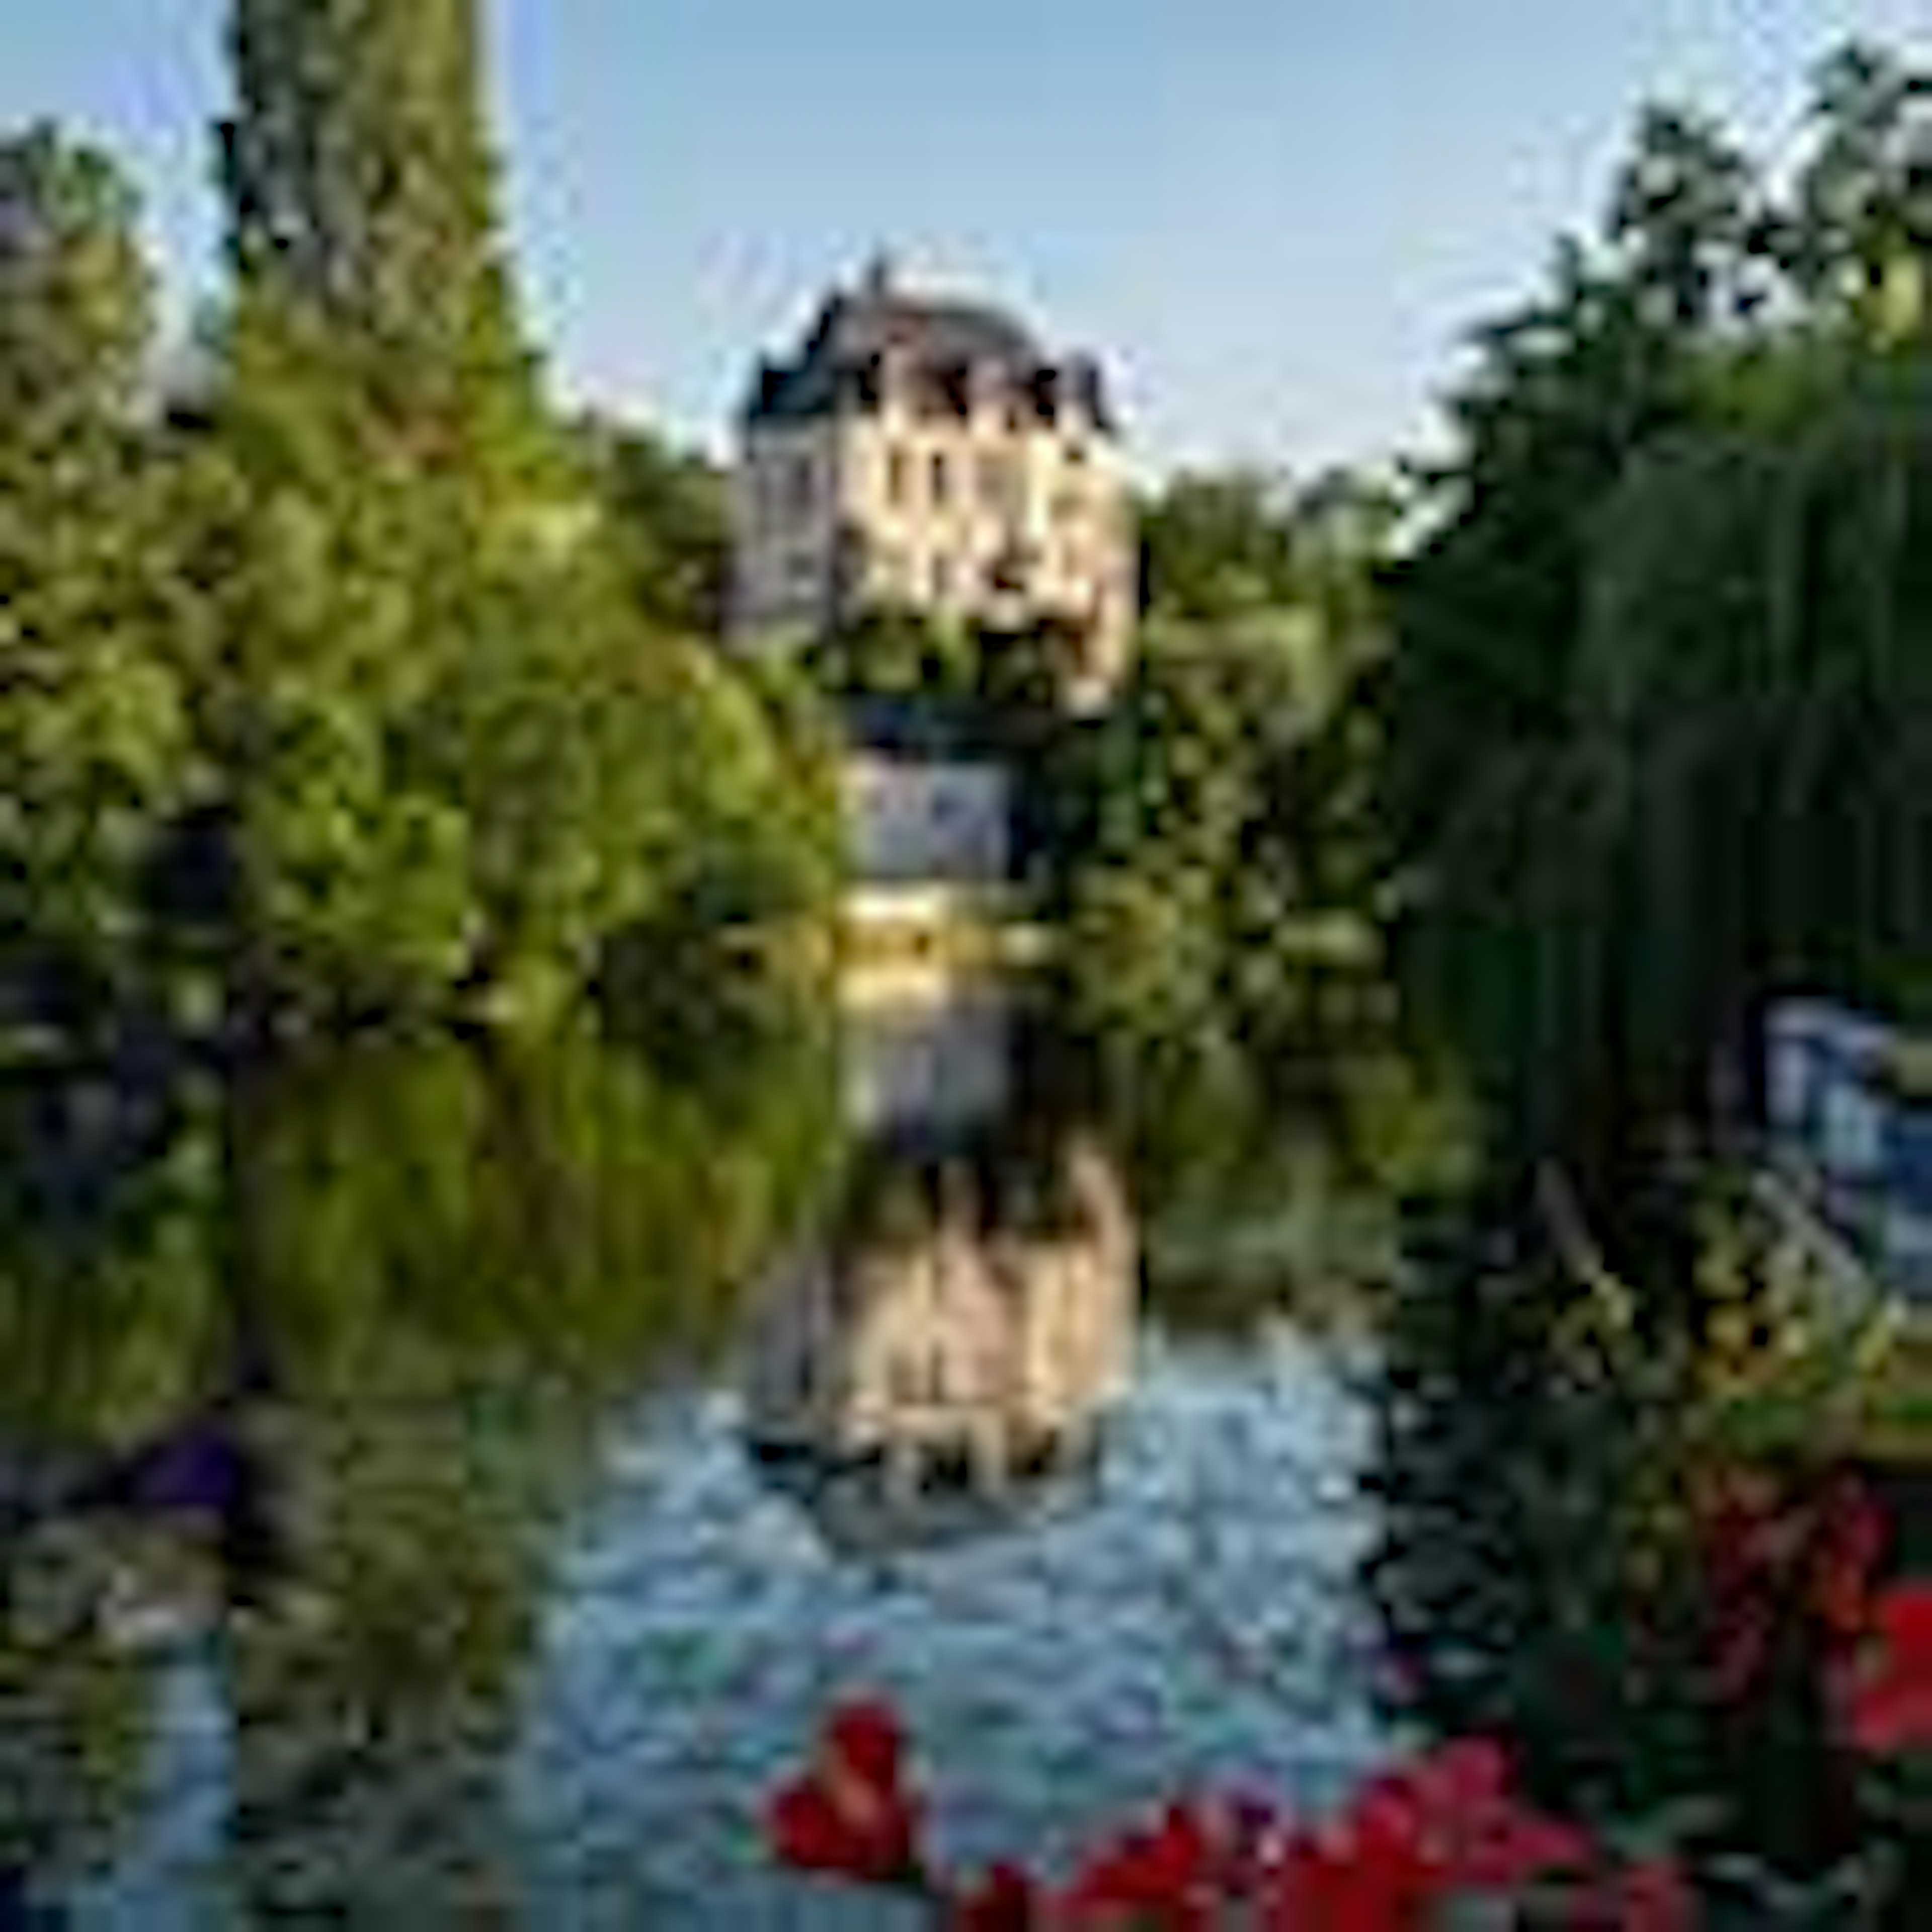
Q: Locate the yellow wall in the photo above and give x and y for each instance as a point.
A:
(1065, 497)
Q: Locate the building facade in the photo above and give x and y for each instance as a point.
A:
(924, 454)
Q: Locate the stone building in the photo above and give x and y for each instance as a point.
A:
(925, 454)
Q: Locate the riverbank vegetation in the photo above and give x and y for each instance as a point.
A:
(1651, 713)
(1213, 856)
(343, 679)
(1653, 703)
(347, 679)
(346, 683)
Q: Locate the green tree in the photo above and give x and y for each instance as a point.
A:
(1187, 830)
(77, 297)
(1859, 235)
(1497, 831)
(669, 519)
(389, 489)
(1202, 833)
(93, 733)
(1683, 220)
(335, 611)
(1751, 689)
(890, 651)
(342, 685)
(1217, 546)
(464, 749)
(360, 179)
(1484, 612)
(1652, 695)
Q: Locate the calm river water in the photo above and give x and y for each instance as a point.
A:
(444, 1488)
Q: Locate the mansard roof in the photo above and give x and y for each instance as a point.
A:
(933, 339)
(935, 332)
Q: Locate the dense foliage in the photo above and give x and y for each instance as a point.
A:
(1582, 1553)
(338, 683)
(94, 729)
(1651, 706)
(1213, 837)
(360, 182)
(1008, 687)
(670, 519)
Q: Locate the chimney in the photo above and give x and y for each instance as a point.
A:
(880, 277)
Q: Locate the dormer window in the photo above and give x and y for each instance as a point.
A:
(955, 387)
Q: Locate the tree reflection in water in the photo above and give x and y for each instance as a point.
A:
(350, 1539)
(372, 1315)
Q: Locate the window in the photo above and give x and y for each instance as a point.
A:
(942, 479)
(799, 487)
(898, 476)
(955, 389)
(998, 479)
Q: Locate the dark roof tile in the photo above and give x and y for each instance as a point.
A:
(936, 337)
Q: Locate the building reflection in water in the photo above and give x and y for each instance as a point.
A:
(947, 1354)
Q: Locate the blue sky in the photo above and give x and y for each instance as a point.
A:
(1275, 218)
